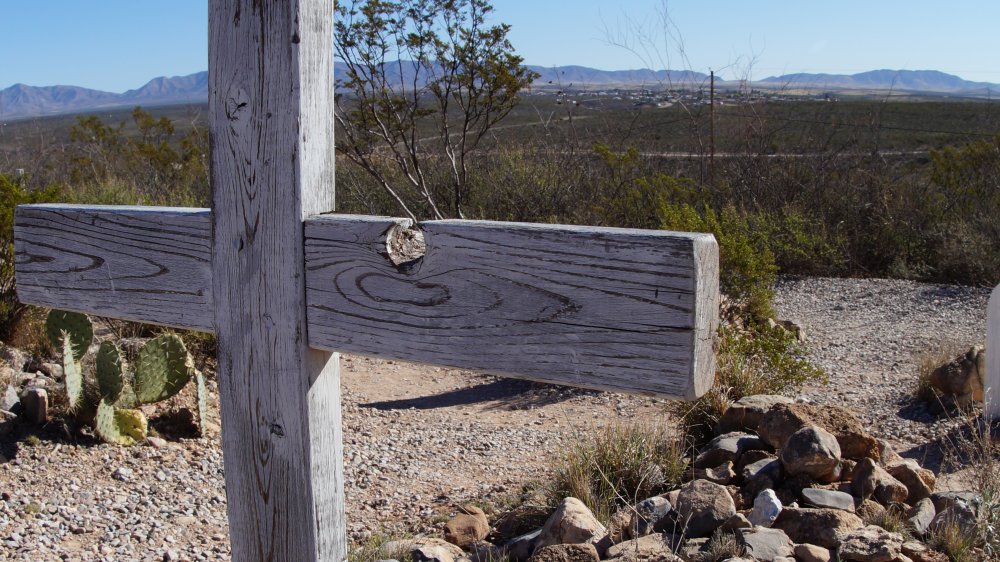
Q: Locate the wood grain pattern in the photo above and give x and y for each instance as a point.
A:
(993, 356)
(270, 100)
(147, 264)
(627, 310)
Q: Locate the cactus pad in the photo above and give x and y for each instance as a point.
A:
(202, 402)
(73, 374)
(109, 371)
(121, 427)
(163, 368)
(78, 326)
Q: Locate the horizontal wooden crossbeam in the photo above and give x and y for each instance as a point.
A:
(626, 310)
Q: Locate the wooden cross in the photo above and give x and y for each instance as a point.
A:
(993, 356)
(283, 286)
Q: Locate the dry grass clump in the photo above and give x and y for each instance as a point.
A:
(976, 450)
(928, 361)
(621, 465)
(373, 549)
(722, 546)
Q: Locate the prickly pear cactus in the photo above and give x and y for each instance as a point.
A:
(73, 373)
(109, 371)
(202, 402)
(120, 426)
(163, 368)
(78, 326)
(71, 332)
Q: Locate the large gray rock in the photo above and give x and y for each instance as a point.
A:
(960, 515)
(571, 523)
(822, 527)
(745, 414)
(520, 548)
(812, 451)
(872, 481)
(8, 421)
(766, 544)
(10, 401)
(761, 475)
(921, 516)
(703, 506)
(726, 448)
(870, 544)
(832, 499)
(35, 405)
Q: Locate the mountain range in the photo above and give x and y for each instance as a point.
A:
(21, 101)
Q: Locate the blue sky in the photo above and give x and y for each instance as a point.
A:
(116, 45)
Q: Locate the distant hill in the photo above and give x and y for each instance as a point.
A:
(928, 81)
(20, 101)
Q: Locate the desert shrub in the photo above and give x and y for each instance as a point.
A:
(747, 270)
(620, 465)
(12, 194)
(756, 360)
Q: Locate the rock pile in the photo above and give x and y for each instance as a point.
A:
(786, 481)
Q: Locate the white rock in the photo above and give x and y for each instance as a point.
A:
(766, 508)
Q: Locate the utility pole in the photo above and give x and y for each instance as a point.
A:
(711, 128)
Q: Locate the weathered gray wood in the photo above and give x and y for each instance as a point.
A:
(148, 264)
(993, 356)
(627, 310)
(270, 94)
(604, 331)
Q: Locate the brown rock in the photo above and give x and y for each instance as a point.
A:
(429, 550)
(703, 506)
(782, 420)
(823, 527)
(869, 510)
(466, 528)
(566, 553)
(872, 481)
(811, 553)
(571, 523)
(918, 480)
(963, 375)
(722, 474)
(649, 548)
(887, 455)
(919, 552)
(812, 451)
(745, 414)
(870, 544)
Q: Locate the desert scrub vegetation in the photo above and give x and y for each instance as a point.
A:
(756, 359)
(619, 466)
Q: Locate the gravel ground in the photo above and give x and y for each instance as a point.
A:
(420, 439)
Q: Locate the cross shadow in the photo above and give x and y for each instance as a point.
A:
(499, 394)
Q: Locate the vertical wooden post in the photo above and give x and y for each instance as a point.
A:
(270, 108)
(993, 356)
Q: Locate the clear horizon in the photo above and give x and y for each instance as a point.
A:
(114, 45)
